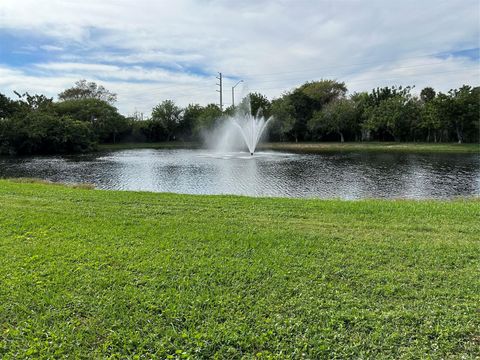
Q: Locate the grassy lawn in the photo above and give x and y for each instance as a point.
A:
(98, 274)
(316, 147)
(373, 147)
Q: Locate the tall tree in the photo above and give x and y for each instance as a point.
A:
(190, 117)
(27, 102)
(259, 104)
(431, 120)
(282, 125)
(464, 111)
(385, 110)
(380, 94)
(207, 119)
(168, 115)
(427, 94)
(324, 91)
(309, 98)
(395, 115)
(336, 117)
(8, 107)
(87, 90)
(361, 100)
(105, 119)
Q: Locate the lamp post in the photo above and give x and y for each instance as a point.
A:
(233, 92)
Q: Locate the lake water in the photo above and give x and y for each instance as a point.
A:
(329, 175)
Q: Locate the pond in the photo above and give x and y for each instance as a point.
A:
(328, 175)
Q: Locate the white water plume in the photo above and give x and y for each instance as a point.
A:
(241, 129)
(251, 128)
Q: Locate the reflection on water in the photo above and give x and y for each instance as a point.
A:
(332, 175)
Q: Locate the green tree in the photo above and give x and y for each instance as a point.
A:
(230, 111)
(431, 120)
(323, 92)
(259, 105)
(169, 116)
(380, 94)
(361, 101)
(40, 132)
(27, 103)
(87, 90)
(391, 112)
(302, 107)
(190, 118)
(309, 98)
(427, 94)
(207, 120)
(463, 111)
(336, 117)
(105, 119)
(153, 130)
(282, 124)
(8, 107)
(396, 115)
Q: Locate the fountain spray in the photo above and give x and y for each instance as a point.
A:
(251, 127)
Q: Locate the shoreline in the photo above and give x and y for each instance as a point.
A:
(319, 147)
(89, 186)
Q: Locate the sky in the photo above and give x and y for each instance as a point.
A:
(147, 51)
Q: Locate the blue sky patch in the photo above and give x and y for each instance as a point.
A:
(471, 54)
(22, 50)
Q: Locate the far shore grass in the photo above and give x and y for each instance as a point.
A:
(318, 147)
(131, 275)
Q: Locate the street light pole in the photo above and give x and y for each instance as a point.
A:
(233, 92)
(220, 84)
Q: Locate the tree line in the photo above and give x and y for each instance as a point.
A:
(85, 115)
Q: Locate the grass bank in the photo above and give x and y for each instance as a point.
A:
(89, 273)
(316, 147)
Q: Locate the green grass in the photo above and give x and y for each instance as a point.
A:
(318, 147)
(315, 147)
(99, 274)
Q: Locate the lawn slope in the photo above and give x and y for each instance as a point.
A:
(96, 274)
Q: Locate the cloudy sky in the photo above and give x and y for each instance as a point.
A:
(148, 51)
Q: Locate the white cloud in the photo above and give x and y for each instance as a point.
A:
(51, 48)
(273, 45)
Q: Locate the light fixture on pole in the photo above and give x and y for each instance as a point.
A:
(233, 92)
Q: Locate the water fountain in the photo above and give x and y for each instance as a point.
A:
(241, 129)
(251, 127)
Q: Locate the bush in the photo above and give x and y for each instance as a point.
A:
(39, 132)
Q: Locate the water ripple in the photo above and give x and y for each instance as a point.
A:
(336, 175)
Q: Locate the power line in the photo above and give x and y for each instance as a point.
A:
(311, 70)
(198, 90)
(339, 75)
(389, 60)
(373, 79)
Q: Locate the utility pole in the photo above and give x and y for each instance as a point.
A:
(220, 84)
(233, 92)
